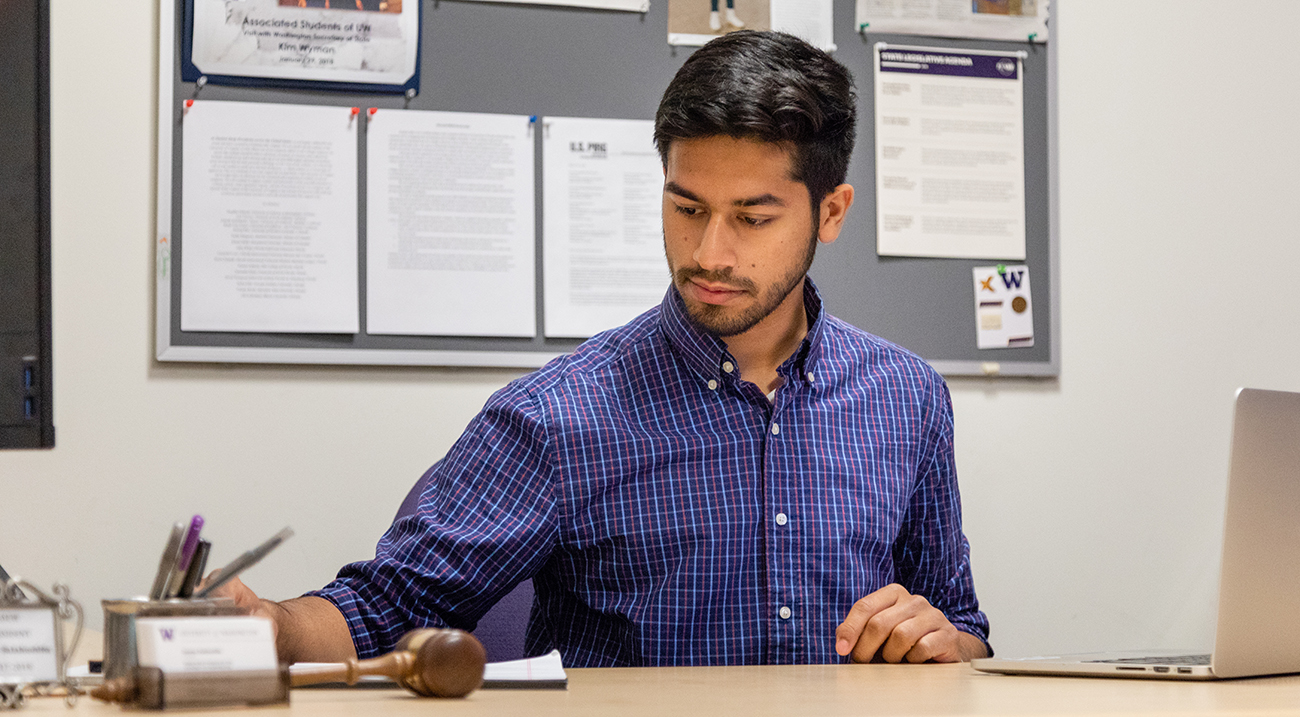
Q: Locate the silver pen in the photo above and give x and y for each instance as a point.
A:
(168, 562)
(245, 561)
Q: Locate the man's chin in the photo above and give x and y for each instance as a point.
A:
(720, 321)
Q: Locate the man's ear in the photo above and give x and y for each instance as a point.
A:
(834, 208)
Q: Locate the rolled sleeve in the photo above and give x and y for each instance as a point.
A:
(485, 522)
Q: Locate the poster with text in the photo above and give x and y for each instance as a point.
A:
(950, 153)
(340, 41)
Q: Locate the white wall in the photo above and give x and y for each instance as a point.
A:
(1092, 502)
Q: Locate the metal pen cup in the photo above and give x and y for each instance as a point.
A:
(119, 625)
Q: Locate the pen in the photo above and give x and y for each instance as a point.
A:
(195, 572)
(168, 562)
(245, 561)
(186, 555)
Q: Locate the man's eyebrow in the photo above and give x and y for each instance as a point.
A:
(762, 200)
(674, 188)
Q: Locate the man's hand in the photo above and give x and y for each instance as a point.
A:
(893, 625)
(307, 629)
(245, 598)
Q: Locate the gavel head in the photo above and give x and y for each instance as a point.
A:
(448, 663)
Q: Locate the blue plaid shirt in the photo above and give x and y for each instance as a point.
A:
(670, 514)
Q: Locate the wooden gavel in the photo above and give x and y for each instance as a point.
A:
(431, 662)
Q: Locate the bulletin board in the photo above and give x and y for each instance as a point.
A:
(542, 60)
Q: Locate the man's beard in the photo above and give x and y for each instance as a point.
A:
(714, 320)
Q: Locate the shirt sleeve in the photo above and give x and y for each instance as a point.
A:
(485, 522)
(932, 555)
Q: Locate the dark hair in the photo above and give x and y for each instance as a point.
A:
(768, 86)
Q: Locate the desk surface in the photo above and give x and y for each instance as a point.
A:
(798, 690)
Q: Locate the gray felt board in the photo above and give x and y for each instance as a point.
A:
(561, 61)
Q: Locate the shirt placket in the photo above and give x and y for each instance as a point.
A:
(780, 503)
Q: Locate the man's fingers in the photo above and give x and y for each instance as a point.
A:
(850, 631)
(236, 590)
(938, 646)
(927, 635)
(881, 630)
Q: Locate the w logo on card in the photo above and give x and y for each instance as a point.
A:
(1004, 316)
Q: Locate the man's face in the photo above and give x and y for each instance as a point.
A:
(738, 230)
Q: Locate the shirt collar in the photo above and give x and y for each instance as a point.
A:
(705, 354)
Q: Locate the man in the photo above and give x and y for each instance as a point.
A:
(734, 476)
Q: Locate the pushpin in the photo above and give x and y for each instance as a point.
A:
(189, 104)
(1032, 35)
(1002, 268)
(863, 26)
(372, 111)
(356, 111)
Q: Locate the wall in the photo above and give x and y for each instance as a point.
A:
(1093, 501)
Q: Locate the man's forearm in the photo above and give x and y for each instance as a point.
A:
(971, 647)
(310, 629)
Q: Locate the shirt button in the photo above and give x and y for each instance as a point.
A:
(713, 385)
(810, 377)
(784, 612)
(775, 429)
(728, 367)
(781, 519)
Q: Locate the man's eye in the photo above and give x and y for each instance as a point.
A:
(688, 211)
(756, 221)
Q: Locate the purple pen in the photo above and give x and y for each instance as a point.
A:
(191, 542)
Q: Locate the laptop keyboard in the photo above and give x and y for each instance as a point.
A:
(1174, 660)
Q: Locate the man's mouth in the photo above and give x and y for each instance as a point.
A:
(713, 293)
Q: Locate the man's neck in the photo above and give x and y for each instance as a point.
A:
(762, 349)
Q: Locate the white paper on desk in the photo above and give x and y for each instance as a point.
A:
(690, 21)
(546, 668)
(602, 239)
(269, 218)
(987, 19)
(950, 157)
(1004, 308)
(450, 227)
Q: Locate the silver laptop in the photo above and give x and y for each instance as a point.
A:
(1258, 630)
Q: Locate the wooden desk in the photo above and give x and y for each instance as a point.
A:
(794, 691)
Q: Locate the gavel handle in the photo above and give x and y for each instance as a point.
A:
(395, 666)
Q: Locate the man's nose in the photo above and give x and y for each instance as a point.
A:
(717, 245)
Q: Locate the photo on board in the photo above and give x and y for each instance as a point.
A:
(707, 19)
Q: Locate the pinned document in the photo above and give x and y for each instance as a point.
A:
(450, 234)
(603, 248)
(269, 231)
(1004, 310)
(950, 155)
